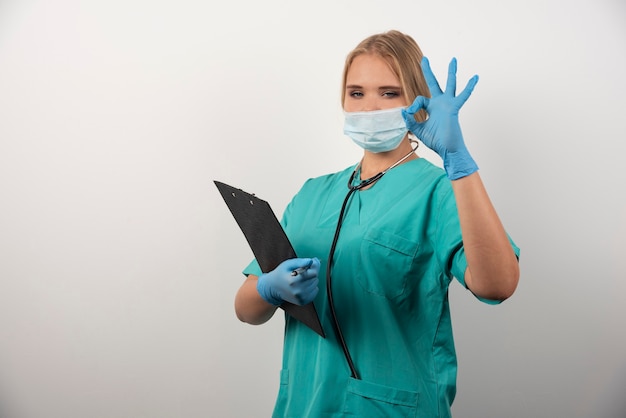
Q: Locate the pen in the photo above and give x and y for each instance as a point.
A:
(301, 270)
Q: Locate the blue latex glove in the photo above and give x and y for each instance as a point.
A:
(441, 132)
(294, 280)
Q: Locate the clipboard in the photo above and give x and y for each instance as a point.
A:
(268, 243)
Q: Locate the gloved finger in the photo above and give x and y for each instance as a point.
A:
(309, 293)
(431, 81)
(467, 91)
(408, 114)
(303, 293)
(310, 286)
(418, 104)
(313, 291)
(315, 265)
(310, 274)
(306, 271)
(301, 282)
(451, 82)
(307, 274)
(296, 263)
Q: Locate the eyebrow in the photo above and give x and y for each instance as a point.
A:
(356, 86)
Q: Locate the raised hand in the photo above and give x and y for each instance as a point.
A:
(441, 132)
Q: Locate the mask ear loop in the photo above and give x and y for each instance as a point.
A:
(329, 292)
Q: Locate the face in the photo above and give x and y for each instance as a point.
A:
(371, 85)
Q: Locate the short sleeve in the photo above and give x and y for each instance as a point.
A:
(461, 263)
(252, 268)
(449, 241)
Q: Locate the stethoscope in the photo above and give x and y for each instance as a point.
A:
(351, 189)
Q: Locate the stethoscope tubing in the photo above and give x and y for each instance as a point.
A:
(329, 290)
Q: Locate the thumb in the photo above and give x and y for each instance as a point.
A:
(315, 263)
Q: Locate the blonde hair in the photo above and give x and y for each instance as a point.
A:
(403, 56)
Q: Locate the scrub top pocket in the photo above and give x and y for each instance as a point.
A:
(366, 399)
(386, 262)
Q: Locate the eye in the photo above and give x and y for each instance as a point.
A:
(356, 93)
(391, 93)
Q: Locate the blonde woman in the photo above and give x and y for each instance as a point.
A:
(383, 240)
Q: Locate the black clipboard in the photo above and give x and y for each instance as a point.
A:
(260, 226)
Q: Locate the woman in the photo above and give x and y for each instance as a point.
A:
(386, 249)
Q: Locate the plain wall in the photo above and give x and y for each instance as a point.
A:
(119, 261)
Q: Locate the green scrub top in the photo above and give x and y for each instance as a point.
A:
(399, 247)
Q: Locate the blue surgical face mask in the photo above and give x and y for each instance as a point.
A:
(377, 130)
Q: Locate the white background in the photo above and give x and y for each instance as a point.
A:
(119, 261)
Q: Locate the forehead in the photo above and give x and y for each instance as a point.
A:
(369, 69)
